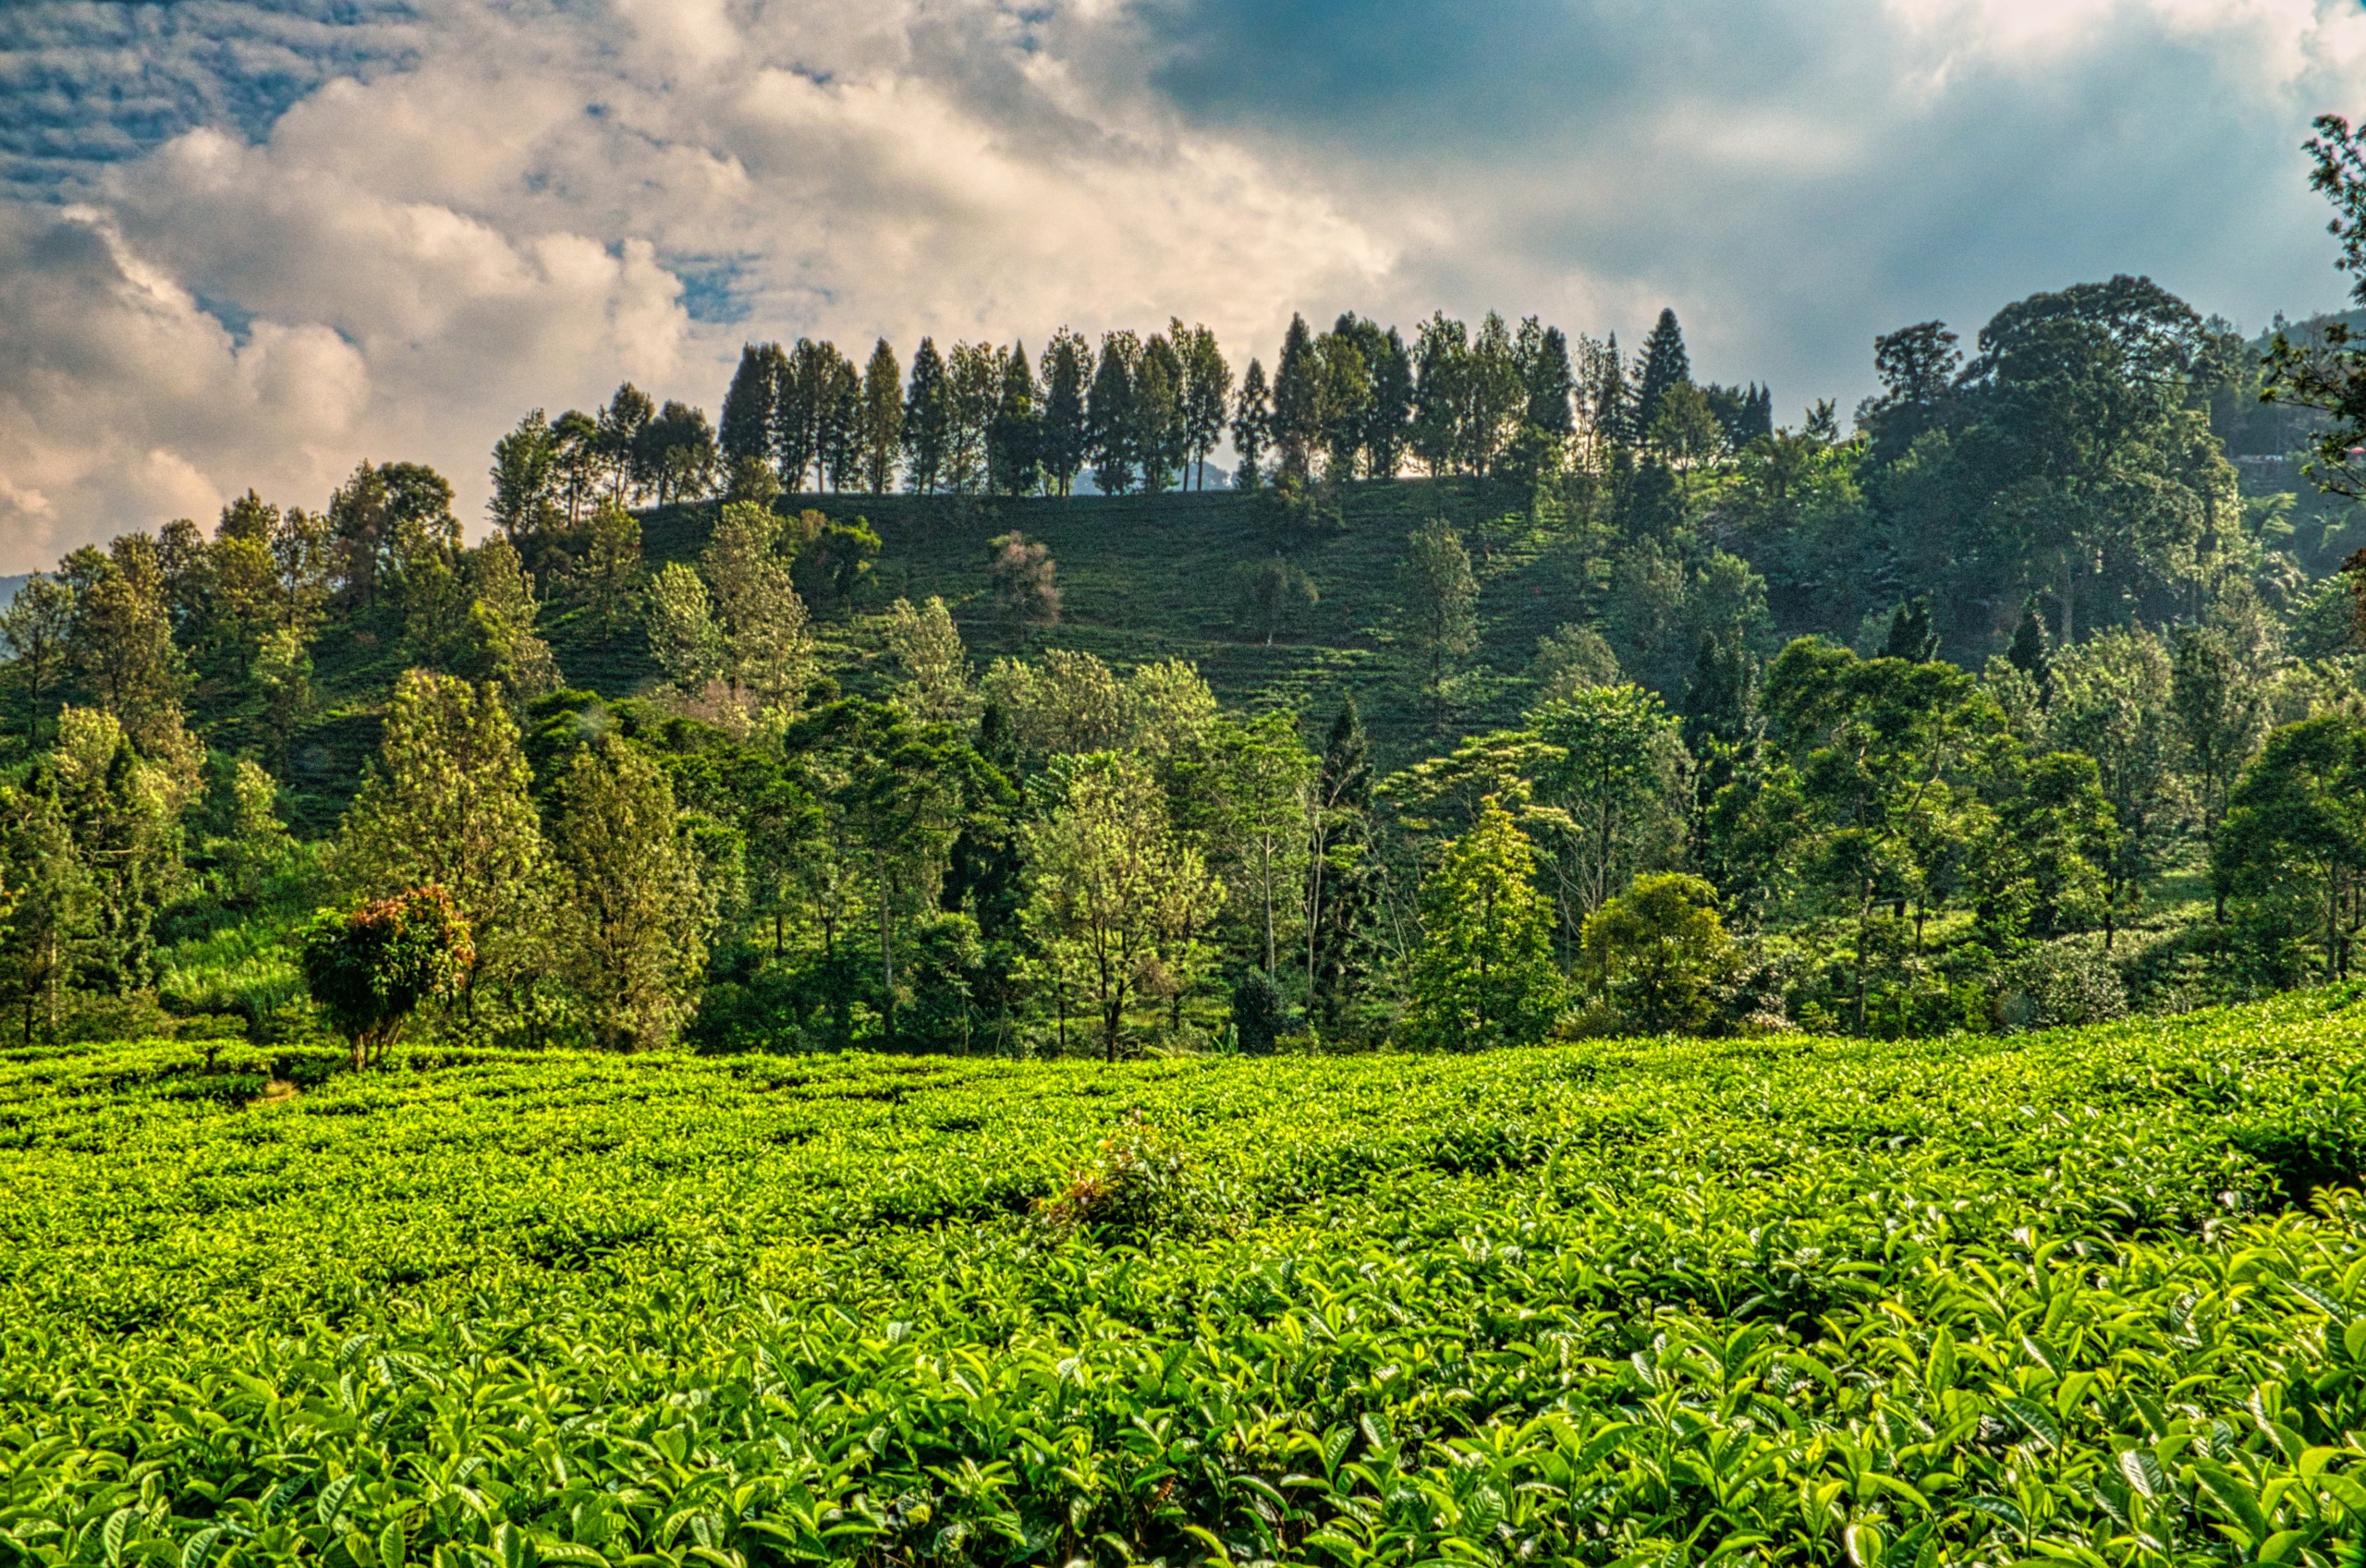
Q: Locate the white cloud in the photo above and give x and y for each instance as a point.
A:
(519, 205)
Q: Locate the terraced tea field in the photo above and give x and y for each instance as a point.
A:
(1792, 1300)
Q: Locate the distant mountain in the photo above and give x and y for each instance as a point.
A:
(8, 587)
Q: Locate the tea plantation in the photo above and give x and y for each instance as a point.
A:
(2072, 1297)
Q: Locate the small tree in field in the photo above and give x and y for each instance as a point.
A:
(370, 967)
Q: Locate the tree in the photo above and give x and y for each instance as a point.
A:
(1916, 366)
(370, 967)
(525, 478)
(1260, 1013)
(935, 688)
(1343, 395)
(1252, 421)
(446, 803)
(123, 817)
(1160, 440)
(973, 386)
(120, 647)
(1109, 414)
(1550, 383)
(1656, 953)
(635, 918)
(618, 442)
(51, 917)
(1025, 579)
(683, 636)
(1342, 869)
(1016, 444)
(2115, 703)
(608, 576)
(675, 449)
(882, 419)
(1262, 777)
(36, 629)
(503, 610)
(1067, 359)
(1271, 592)
(767, 656)
(745, 433)
(1390, 413)
(1570, 659)
(1665, 366)
(1116, 893)
(2218, 709)
(1295, 428)
(1207, 393)
(928, 418)
(2324, 371)
(1483, 976)
(2295, 832)
(1441, 601)
(1614, 771)
(1441, 393)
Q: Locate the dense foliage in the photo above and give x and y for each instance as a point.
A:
(1793, 1300)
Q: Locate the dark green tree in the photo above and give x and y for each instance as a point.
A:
(927, 420)
(1665, 366)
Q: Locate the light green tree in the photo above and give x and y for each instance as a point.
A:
(1117, 895)
(1483, 975)
(683, 636)
(446, 803)
(635, 918)
(936, 686)
(1655, 955)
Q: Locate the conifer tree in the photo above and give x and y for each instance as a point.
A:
(1483, 976)
(1015, 447)
(839, 443)
(1295, 428)
(1389, 418)
(1251, 427)
(1550, 384)
(1664, 365)
(1065, 364)
(1159, 442)
(1344, 401)
(1441, 392)
(881, 431)
(635, 917)
(927, 421)
(1207, 393)
(1610, 407)
(746, 431)
(1109, 414)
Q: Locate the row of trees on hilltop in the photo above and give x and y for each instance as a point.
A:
(1138, 413)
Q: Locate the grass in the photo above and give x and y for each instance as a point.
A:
(2076, 1296)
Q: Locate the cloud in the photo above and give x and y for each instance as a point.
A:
(254, 243)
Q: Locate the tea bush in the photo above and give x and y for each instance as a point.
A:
(2093, 1297)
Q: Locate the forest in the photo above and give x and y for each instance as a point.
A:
(1542, 691)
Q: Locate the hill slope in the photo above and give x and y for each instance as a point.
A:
(1812, 1299)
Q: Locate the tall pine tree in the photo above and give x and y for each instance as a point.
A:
(1065, 360)
(747, 408)
(883, 417)
(1664, 365)
(927, 420)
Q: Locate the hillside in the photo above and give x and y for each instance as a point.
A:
(1142, 577)
(1783, 1300)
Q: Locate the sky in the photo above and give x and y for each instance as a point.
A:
(250, 243)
